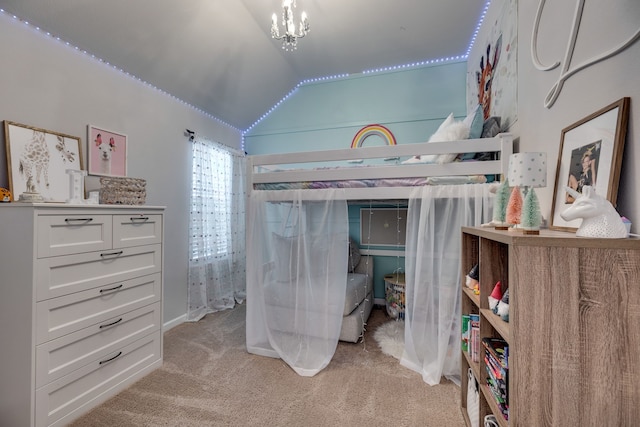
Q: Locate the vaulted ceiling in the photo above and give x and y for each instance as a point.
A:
(218, 55)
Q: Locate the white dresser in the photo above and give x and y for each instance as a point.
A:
(80, 307)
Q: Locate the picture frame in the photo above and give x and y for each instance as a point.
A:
(107, 152)
(37, 161)
(591, 153)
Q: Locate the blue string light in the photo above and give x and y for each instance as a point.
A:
(450, 59)
(294, 90)
(120, 70)
(477, 30)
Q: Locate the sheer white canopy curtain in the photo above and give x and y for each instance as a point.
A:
(296, 278)
(433, 276)
(217, 278)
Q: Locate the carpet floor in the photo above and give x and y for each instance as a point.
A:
(209, 379)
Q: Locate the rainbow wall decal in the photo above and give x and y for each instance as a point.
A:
(369, 130)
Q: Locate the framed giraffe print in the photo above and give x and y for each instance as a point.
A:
(37, 162)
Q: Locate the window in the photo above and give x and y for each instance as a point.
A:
(211, 200)
(217, 277)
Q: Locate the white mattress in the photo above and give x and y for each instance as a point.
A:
(356, 291)
(280, 294)
(357, 306)
(353, 324)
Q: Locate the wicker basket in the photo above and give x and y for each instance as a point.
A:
(394, 288)
(122, 191)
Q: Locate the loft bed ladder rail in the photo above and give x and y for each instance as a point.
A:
(502, 143)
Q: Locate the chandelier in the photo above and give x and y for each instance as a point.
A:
(290, 37)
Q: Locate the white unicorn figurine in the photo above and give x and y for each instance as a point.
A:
(599, 217)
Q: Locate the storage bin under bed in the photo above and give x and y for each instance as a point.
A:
(394, 292)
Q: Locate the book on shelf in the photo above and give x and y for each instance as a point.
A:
(497, 384)
(498, 349)
(504, 410)
(499, 398)
(498, 390)
(496, 363)
(497, 371)
(475, 337)
(466, 331)
(500, 395)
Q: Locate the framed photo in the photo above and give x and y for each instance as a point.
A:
(590, 154)
(107, 152)
(37, 161)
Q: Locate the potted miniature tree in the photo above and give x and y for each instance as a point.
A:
(514, 207)
(531, 219)
(500, 206)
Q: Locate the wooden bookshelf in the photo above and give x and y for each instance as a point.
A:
(473, 297)
(573, 331)
(501, 327)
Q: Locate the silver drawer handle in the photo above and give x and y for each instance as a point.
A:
(111, 289)
(111, 324)
(139, 218)
(78, 219)
(109, 360)
(112, 253)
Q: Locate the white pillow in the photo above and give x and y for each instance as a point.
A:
(449, 130)
(475, 120)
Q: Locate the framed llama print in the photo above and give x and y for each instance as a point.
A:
(590, 154)
(107, 152)
(37, 162)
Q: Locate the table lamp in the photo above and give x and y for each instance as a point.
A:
(526, 171)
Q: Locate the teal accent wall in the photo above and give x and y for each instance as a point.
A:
(327, 115)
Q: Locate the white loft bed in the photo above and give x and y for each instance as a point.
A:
(284, 314)
(276, 168)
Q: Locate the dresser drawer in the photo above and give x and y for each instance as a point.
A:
(59, 401)
(136, 229)
(60, 316)
(72, 234)
(63, 355)
(63, 275)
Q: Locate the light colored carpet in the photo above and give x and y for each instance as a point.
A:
(390, 338)
(209, 379)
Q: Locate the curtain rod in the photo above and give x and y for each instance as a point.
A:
(192, 136)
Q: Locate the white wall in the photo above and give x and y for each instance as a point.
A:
(47, 84)
(604, 25)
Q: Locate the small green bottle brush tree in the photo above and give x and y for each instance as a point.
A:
(500, 206)
(531, 218)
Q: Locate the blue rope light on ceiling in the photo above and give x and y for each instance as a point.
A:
(477, 30)
(92, 56)
(287, 96)
(450, 59)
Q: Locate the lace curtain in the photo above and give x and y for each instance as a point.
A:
(296, 278)
(217, 278)
(433, 276)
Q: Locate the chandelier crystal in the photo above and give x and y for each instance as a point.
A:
(290, 36)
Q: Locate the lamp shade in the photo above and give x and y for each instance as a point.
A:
(528, 170)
